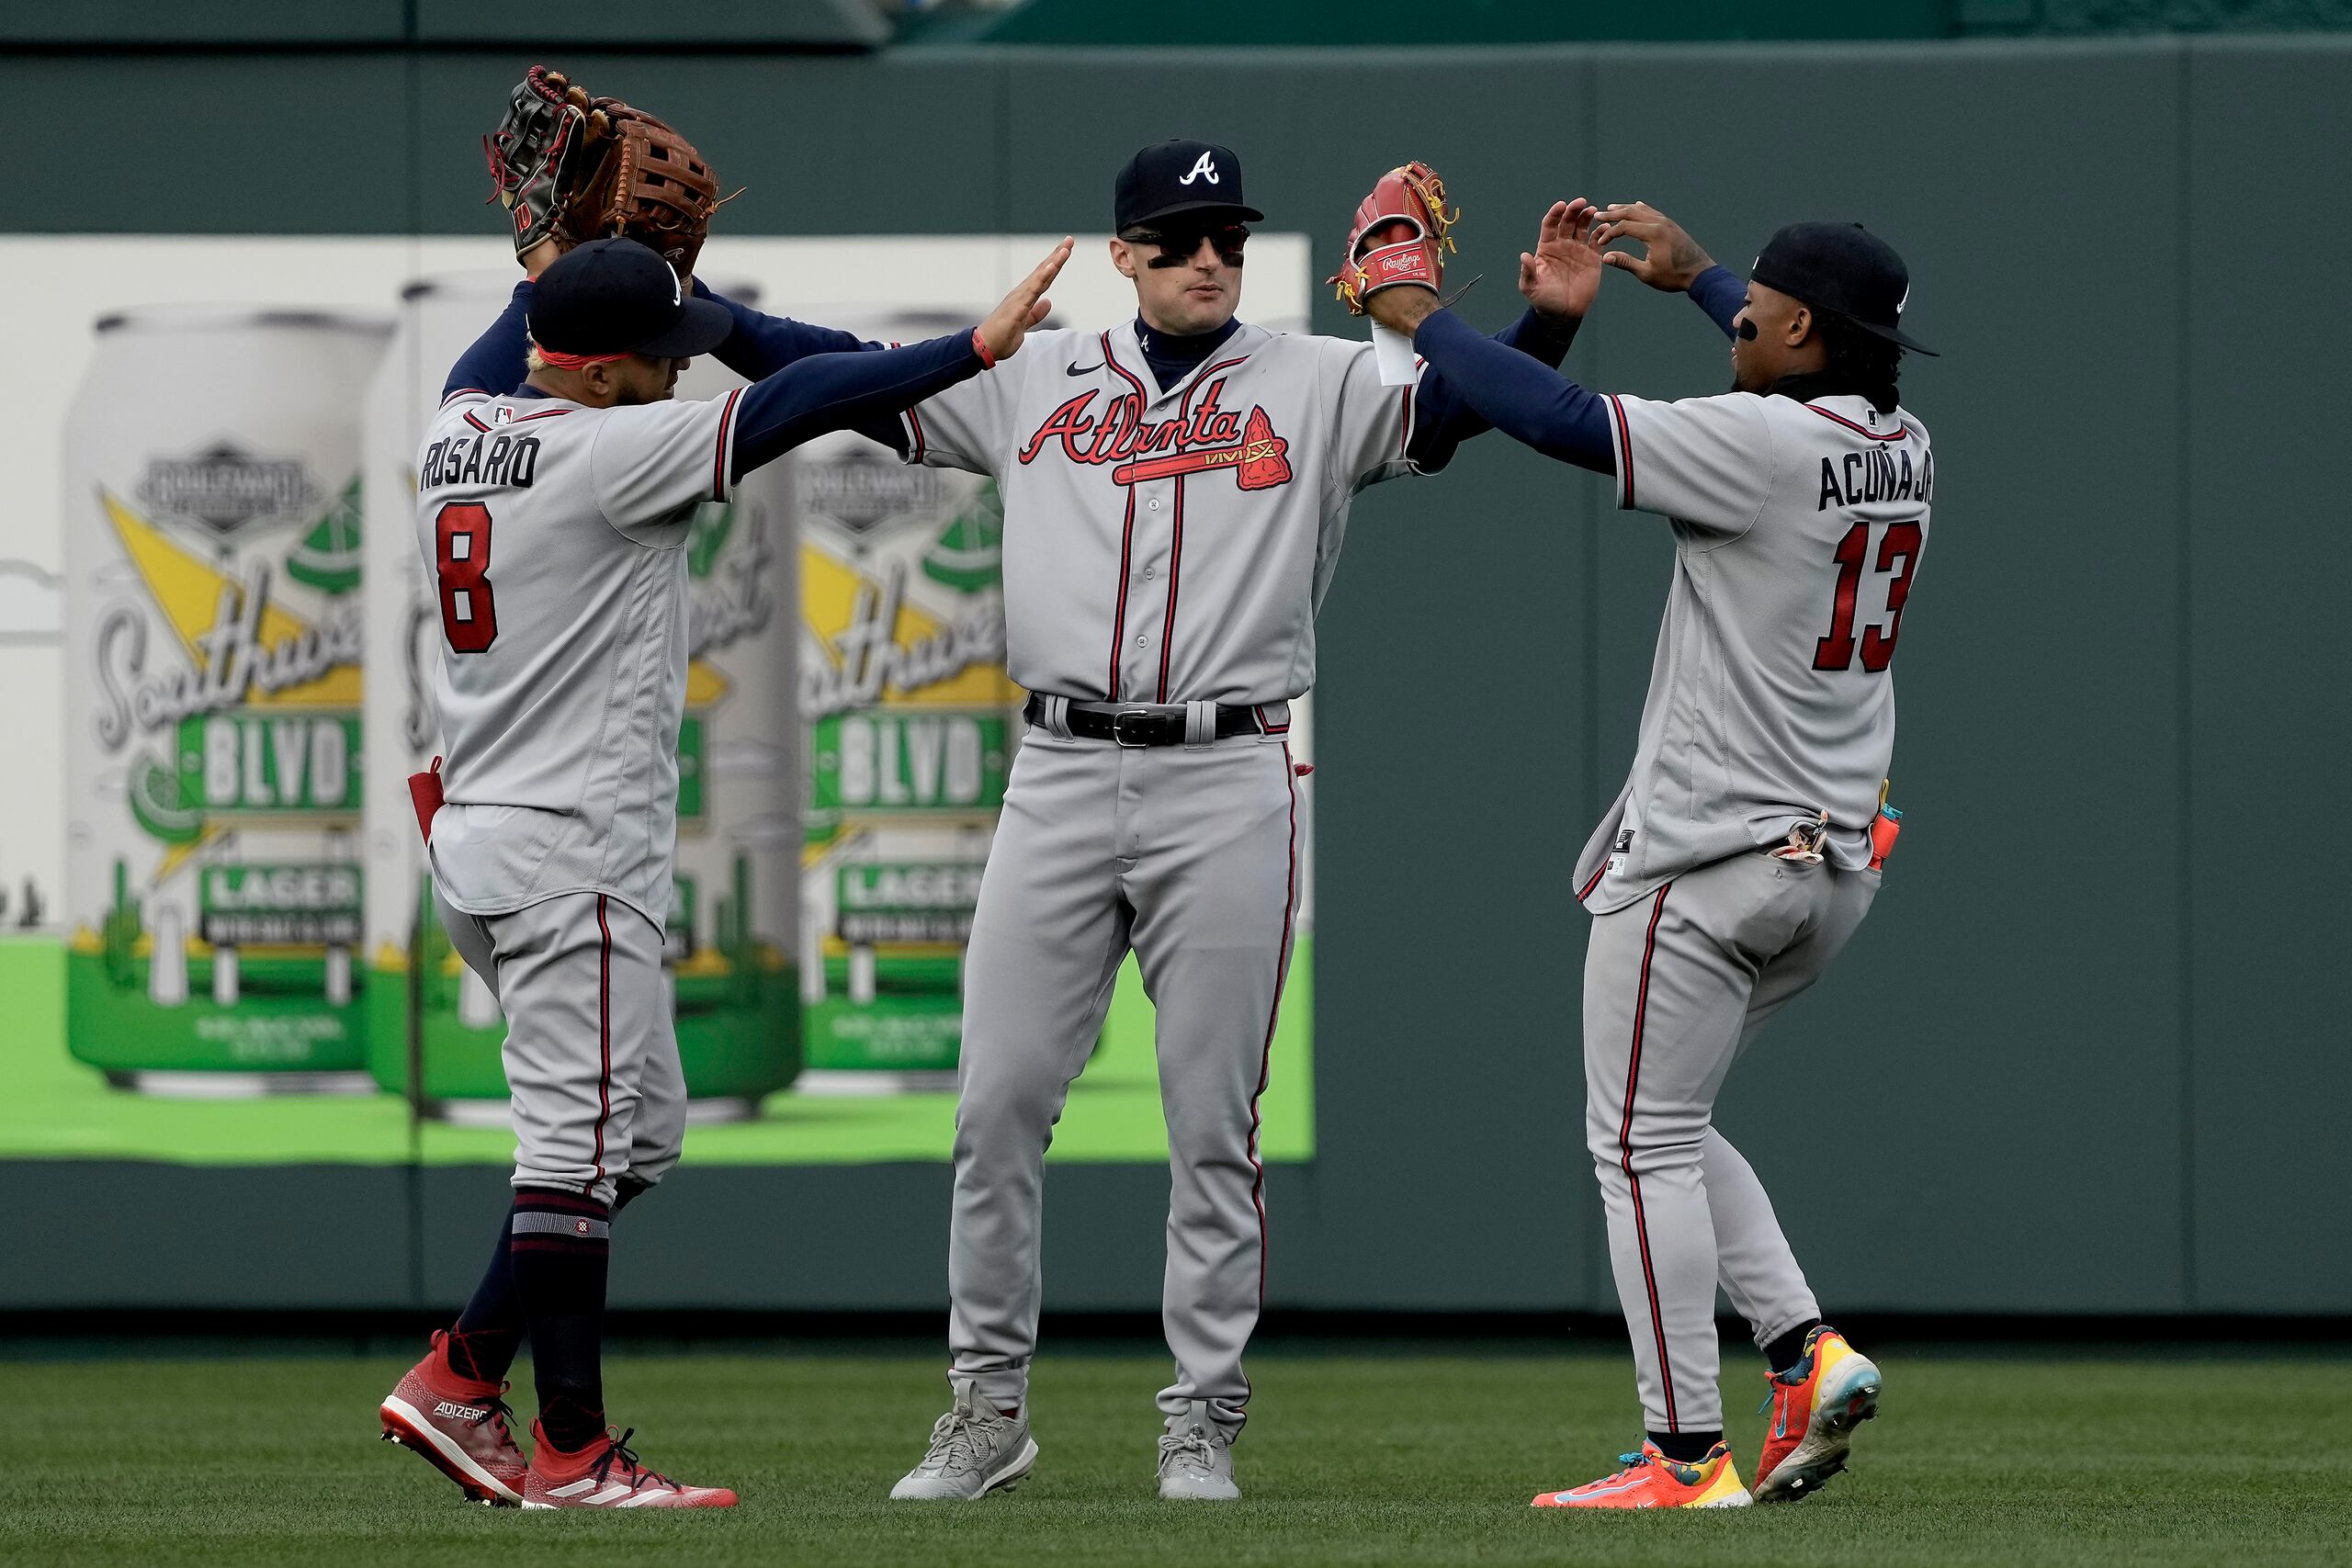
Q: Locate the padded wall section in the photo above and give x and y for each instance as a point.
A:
(2267, 856)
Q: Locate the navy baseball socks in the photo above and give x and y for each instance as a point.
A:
(482, 1343)
(559, 1245)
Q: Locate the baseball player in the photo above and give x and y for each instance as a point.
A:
(1176, 490)
(1745, 846)
(552, 510)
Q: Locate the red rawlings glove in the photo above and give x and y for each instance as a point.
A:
(1401, 231)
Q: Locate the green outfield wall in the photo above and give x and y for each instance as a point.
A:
(2087, 1055)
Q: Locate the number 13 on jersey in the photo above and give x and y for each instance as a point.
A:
(1897, 557)
(461, 562)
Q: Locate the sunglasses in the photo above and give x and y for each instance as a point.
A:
(1179, 242)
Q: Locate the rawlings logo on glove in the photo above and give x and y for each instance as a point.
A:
(572, 168)
(1400, 234)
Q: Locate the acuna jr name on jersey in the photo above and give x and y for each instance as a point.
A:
(1875, 475)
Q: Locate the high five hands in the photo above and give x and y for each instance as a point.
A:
(1000, 335)
(1561, 276)
(1670, 258)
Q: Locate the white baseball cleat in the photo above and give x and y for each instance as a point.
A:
(1196, 1459)
(975, 1450)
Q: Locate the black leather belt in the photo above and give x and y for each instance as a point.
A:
(1141, 725)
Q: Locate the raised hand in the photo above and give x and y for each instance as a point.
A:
(1670, 259)
(1562, 274)
(1008, 323)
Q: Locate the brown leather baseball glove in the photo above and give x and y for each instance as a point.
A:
(571, 167)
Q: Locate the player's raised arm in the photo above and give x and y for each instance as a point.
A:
(971, 427)
(1559, 279)
(1671, 260)
(763, 344)
(837, 392)
(496, 363)
(1523, 398)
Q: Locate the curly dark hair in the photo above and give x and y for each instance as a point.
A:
(1858, 361)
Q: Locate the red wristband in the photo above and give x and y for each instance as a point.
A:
(980, 347)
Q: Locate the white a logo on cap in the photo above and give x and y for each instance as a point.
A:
(1205, 166)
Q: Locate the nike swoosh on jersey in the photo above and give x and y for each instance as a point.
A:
(1081, 369)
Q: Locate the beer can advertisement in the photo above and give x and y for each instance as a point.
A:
(248, 965)
(215, 774)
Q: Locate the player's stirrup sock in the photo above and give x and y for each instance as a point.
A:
(482, 1345)
(1686, 1447)
(1787, 1349)
(560, 1243)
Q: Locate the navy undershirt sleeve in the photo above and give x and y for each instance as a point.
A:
(1442, 417)
(1720, 293)
(501, 357)
(821, 392)
(1527, 401)
(763, 344)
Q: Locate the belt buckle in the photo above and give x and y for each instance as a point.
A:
(1118, 729)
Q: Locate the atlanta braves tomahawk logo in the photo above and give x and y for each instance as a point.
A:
(1207, 439)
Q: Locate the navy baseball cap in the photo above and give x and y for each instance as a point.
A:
(1843, 268)
(616, 296)
(1170, 177)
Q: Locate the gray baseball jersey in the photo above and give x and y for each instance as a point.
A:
(1798, 527)
(1256, 456)
(554, 535)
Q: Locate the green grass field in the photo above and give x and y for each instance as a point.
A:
(1354, 1459)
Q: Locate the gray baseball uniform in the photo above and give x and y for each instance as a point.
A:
(1798, 528)
(554, 535)
(1161, 547)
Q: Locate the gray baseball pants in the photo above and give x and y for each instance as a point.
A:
(1676, 984)
(1188, 854)
(591, 1053)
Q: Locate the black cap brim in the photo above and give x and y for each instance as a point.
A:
(1897, 335)
(1246, 214)
(702, 326)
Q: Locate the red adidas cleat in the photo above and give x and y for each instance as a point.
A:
(458, 1426)
(607, 1476)
(1816, 1406)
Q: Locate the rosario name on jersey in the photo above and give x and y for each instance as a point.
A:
(1169, 546)
(553, 535)
(1798, 528)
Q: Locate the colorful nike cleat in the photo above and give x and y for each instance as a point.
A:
(607, 1474)
(1650, 1480)
(458, 1425)
(1815, 1405)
